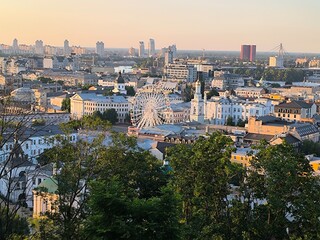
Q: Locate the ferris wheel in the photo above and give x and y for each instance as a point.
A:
(148, 108)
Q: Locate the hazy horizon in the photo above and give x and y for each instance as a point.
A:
(212, 25)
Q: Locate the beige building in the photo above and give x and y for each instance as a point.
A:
(45, 198)
(295, 110)
(249, 92)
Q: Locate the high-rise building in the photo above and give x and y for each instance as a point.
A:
(66, 48)
(141, 49)
(168, 57)
(132, 52)
(151, 47)
(252, 53)
(248, 53)
(173, 48)
(15, 45)
(39, 49)
(100, 48)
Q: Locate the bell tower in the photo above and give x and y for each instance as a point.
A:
(197, 105)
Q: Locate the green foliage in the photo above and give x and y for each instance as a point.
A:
(211, 93)
(65, 105)
(241, 123)
(118, 213)
(230, 121)
(12, 226)
(86, 87)
(201, 175)
(45, 80)
(93, 122)
(130, 91)
(38, 122)
(309, 147)
(110, 115)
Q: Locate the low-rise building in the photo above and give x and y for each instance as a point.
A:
(295, 110)
(87, 103)
(249, 92)
(225, 80)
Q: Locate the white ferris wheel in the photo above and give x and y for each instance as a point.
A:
(148, 108)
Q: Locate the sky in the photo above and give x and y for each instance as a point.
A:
(190, 24)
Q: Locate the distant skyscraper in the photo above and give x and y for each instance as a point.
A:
(252, 53)
(151, 47)
(132, 52)
(100, 48)
(39, 49)
(173, 48)
(66, 48)
(168, 57)
(141, 49)
(15, 45)
(248, 53)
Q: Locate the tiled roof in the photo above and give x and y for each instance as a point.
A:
(294, 104)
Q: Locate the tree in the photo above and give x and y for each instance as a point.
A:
(110, 115)
(78, 164)
(130, 91)
(211, 93)
(65, 106)
(201, 175)
(230, 121)
(129, 198)
(283, 193)
(241, 123)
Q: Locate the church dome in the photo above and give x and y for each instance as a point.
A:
(119, 79)
(23, 95)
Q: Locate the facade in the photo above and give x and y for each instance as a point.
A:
(270, 128)
(141, 49)
(219, 109)
(45, 201)
(66, 48)
(177, 112)
(295, 110)
(181, 72)
(248, 53)
(119, 85)
(276, 61)
(34, 141)
(249, 92)
(152, 47)
(168, 57)
(87, 103)
(100, 49)
(225, 80)
(197, 110)
(39, 49)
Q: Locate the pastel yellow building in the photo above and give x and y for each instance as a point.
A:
(45, 198)
(242, 156)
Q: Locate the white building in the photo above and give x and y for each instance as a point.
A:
(119, 85)
(38, 48)
(100, 49)
(218, 109)
(141, 49)
(151, 47)
(66, 48)
(182, 72)
(87, 103)
(197, 105)
(276, 61)
(225, 80)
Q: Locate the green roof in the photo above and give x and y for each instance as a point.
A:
(50, 184)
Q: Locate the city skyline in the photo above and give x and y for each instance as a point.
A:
(204, 24)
